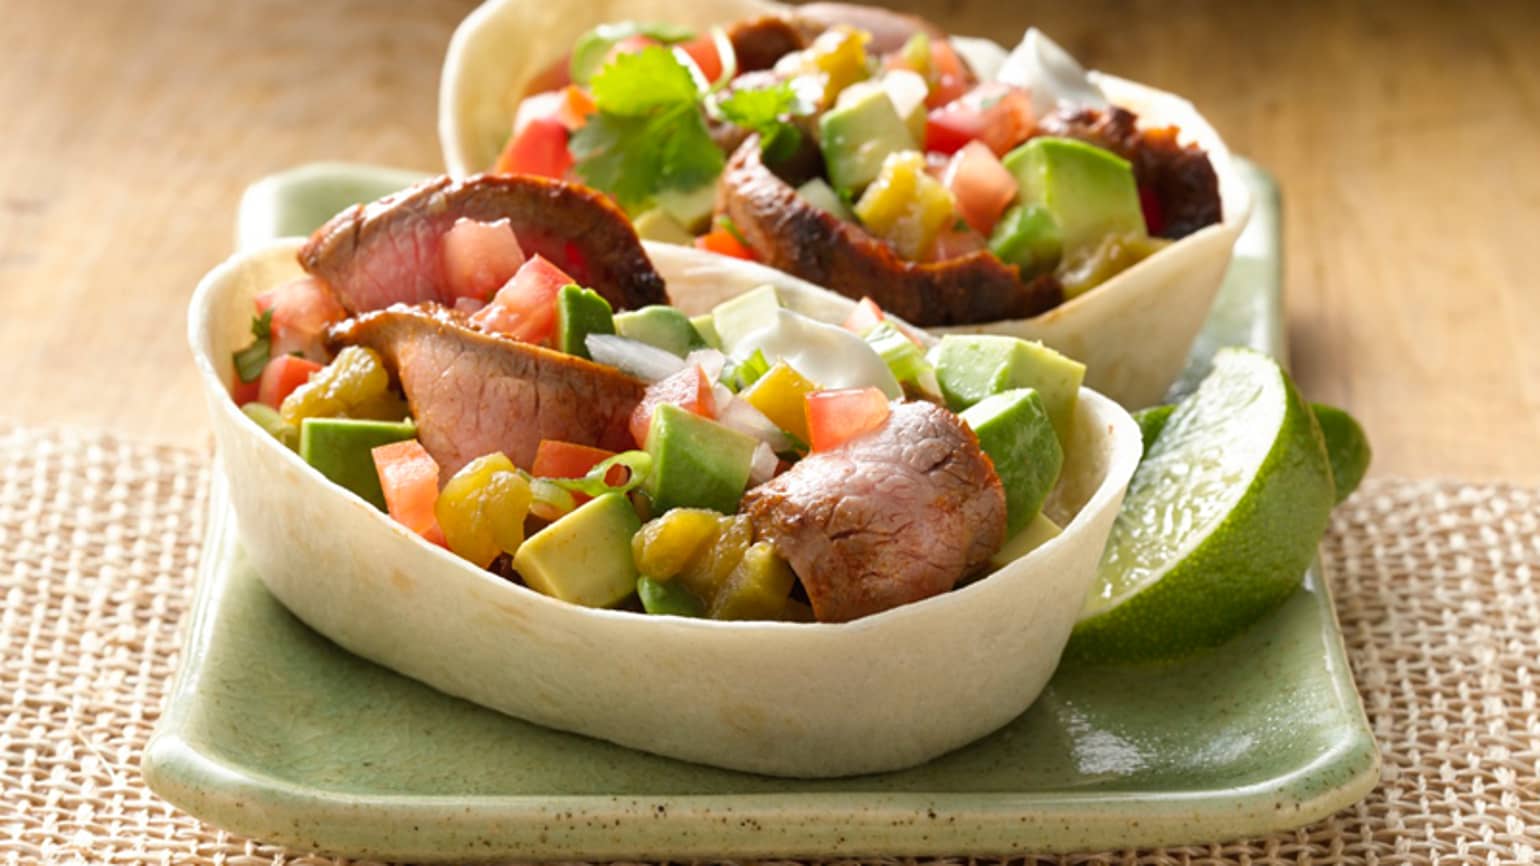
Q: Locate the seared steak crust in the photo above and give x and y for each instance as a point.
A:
(888, 518)
(388, 252)
(473, 393)
(759, 42)
(790, 234)
(1180, 176)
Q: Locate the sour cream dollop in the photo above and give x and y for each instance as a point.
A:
(1050, 74)
(826, 354)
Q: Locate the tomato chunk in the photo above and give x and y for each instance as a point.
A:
(689, 389)
(836, 417)
(722, 242)
(949, 74)
(557, 459)
(245, 392)
(525, 308)
(302, 311)
(997, 114)
(703, 50)
(981, 185)
(479, 258)
(409, 477)
(540, 148)
(865, 316)
(281, 376)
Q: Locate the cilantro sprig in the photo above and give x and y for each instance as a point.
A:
(649, 133)
(250, 360)
(767, 111)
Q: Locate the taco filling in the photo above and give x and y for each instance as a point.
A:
(750, 463)
(857, 148)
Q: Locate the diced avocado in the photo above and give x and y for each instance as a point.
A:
(819, 194)
(1038, 532)
(906, 206)
(656, 225)
(706, 326)
(667, 598)
(660, 326)
(1089, 191)
(585, 557)
(757, 588)
(857, 137)
(339, 448)
(691, 209)
(738, 317)
(1028, 237)
(696, 462)
(580, 312)
(908, 91)
(1014, 430)
(972, 367)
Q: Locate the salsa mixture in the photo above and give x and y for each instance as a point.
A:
(855, 148)
(493, 363)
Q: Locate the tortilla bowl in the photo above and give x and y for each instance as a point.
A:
(1132, 332)
(790, 699)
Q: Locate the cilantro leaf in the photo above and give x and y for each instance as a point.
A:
(250, 360)
(765, 110)
(644, 81)
(649, 133)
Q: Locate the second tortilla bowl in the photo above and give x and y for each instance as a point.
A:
(1132, 332)
(792, 699)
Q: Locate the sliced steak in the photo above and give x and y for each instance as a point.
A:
(759, 42)
(889, 29)
(885, 519)
(1181, 177)
(473, 393)
(789, 233)
(388, 252)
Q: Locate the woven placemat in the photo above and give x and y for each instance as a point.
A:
(1436, 584)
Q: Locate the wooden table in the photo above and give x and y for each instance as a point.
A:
(1403, 135)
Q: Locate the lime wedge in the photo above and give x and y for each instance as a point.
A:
(1346, 446)
(1220, 521)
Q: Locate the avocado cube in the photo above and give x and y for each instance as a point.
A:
(1027, 237)
(696, 462)
(1089, 191)
(660, 326)
(857, 136)
(738, 317)
(339, 448)
(972, 367)
(584, 557)
(819, 194)
(580, 312)
(1014, 430)
(706, 326)
(656, 225)
(667, 598)
(1039, 532)
(691, 209)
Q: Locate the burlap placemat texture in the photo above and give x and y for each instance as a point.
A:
(1436, 587)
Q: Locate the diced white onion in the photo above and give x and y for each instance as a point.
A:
(709, 360)
(645, 362)
(763, 467)
(740, 415)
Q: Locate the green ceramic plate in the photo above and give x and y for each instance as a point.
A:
(273, 732)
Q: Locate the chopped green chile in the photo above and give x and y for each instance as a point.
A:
(250, 360)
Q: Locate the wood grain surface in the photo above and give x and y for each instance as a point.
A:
(1404, 135)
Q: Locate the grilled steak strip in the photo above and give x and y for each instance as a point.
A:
(1180, 176)
(388, 252)
(789, 233)
(473, 393)
(888, 518)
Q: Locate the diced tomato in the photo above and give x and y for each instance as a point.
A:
(245, 392)
(956, 242)
(540, 148)
(949, 73)
(995, 113)
(722, 242)
(557, 459)
(479, 258)
(981, 185)
(1154, 216)
(302, 311)
(836, 417)
(864, 316)
(689, 389)
(281, 376)
(409, 478)
(703, 51)
(525, 308)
